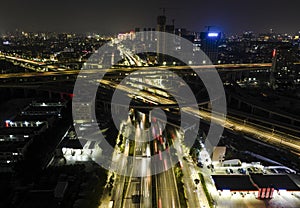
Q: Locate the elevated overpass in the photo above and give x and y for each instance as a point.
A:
(38, 79)
(62, 75)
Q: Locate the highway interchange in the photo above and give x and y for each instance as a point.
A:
(134, 191)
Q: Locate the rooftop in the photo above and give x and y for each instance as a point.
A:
(276, 181)
(233, 182)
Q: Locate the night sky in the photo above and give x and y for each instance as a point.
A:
(229, 16)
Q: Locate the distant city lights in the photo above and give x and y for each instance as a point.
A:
(6, 43)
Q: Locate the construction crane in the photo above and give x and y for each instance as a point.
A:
(208, 27)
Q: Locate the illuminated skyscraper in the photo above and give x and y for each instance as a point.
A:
(209, 44)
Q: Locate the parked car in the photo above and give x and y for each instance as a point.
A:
(242, 171)
(249, 170)
(200, 164)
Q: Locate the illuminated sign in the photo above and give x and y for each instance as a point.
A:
(213, 34)
(274, 53)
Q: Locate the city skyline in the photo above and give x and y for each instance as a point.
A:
(150, 104)
(112, 17)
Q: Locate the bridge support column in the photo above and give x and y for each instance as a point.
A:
(25, 93)
(106, 108)
(209, 105)
(270, 115)
(11, 92)
(252, 109)
(228, 100)
(50, 94)
(239, 104)
(293, 122)
(36, 93)
(240, 75)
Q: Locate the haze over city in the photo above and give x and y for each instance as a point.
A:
(109, 17)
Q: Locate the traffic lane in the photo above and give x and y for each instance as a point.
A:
(167, 186)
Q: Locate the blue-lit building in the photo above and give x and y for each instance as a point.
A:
(210, 42)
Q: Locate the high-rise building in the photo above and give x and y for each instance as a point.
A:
(161, 23)
(209, 44)
(161, 39)
(170, 29)
(284, 73)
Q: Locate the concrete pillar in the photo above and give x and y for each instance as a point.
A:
(228, 99)
(37, 92)
(239, 104)
(233, 77)
(209, 105)
(25, 93)
(292, 122)
(270, 115)
(106, 109)
(50, 94)
(240, 74)
(252, 109)
(11, 92)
